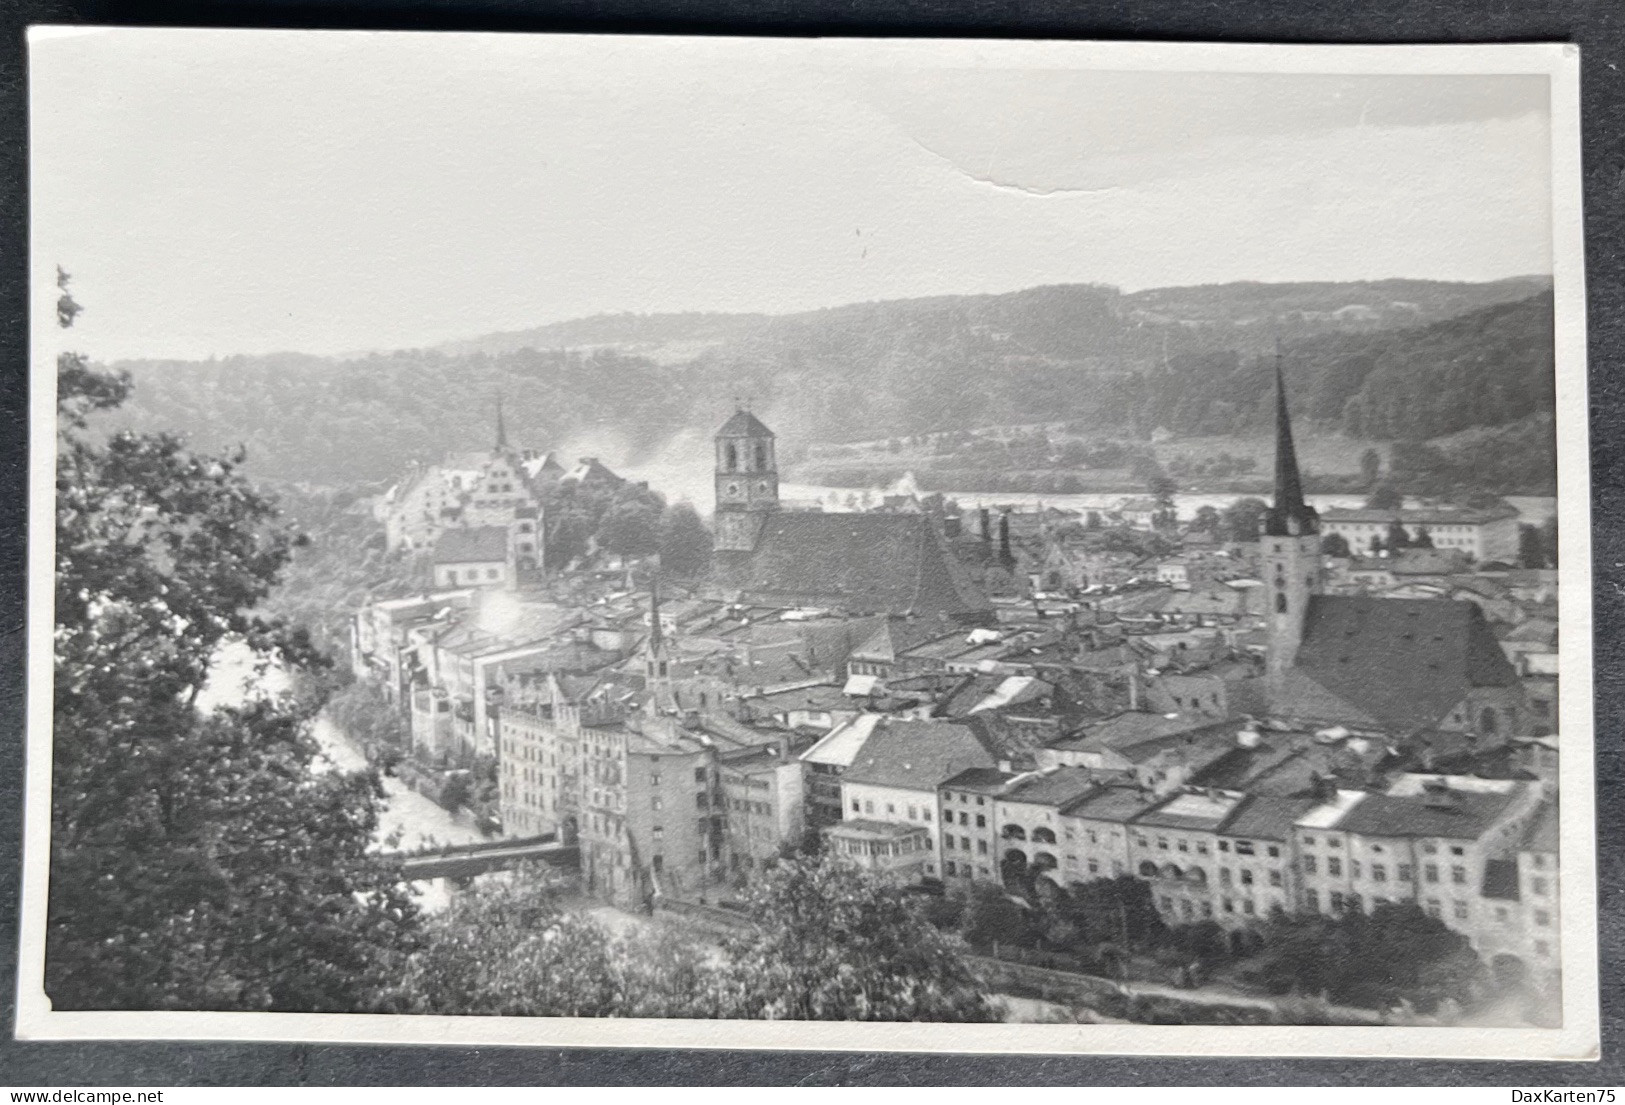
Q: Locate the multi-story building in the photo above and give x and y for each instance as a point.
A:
(1034, 838)
(1481, 534)
(1099, 828)
(894, 778)
(763, 799)
(651, 822)
(968, 816)
(824, 764)
(1432, 840)
(381, 636)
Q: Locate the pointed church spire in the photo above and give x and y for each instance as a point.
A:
(655, 635)
(1289, 515)
(502, 429)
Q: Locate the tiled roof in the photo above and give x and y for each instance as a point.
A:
(744, 424)
(1059, 787)
(979, 780)
(1405, 662)
(1190, 811)
(467, 546)
(1131, 728)
(860, 563)
(1111, 804)
(869, 828)
(898, 635)
(1457, 815)
(917, 755)
(1542, 835)
(1264, 817)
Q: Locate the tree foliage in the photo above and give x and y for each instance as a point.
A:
(832, 942)
(199, 860)
(827, 942)
(685, 543)
(1243, 519)
(506, 949)
(1395, 953)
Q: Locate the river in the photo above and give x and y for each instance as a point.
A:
(1532, 509)
(408, 820)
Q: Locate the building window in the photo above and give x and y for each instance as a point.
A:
(855, 808)
(1312, 899)
(1430, 872)
(654, 802)
(1542, 918)
(1458, 875)
(1275, 851)
(1538, 886)
(1460, 910)
(1334, 867)
(981, 822)
(1403, 872)
(1379, 873)
(1309, 865)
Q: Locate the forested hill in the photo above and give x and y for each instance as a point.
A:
(1386, 359)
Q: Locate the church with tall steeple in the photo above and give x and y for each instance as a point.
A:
(848, 562)
(1401, 668)
(1289, 545)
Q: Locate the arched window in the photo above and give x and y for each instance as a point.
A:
(731, 458)
(761, 456)
(1148, 870)
(1280, 602)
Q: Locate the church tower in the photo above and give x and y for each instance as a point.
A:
(657, 659)
(747, 482)
(1289, 546)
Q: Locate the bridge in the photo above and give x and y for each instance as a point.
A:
(464, 861)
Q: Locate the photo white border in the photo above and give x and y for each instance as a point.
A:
(1578, 1039)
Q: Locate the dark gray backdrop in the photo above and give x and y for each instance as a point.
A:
(1598, 26)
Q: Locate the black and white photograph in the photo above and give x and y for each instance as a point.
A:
(876, 544)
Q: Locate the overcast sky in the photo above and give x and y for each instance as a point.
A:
(218, 192)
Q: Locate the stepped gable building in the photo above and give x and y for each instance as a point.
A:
(1398, 667)
(854, 563)
(499, 487)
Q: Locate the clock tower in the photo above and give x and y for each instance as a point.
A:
(747, 482)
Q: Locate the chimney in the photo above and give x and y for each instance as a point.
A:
(1437, 795)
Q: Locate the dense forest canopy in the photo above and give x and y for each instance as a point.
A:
(1388, 360)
